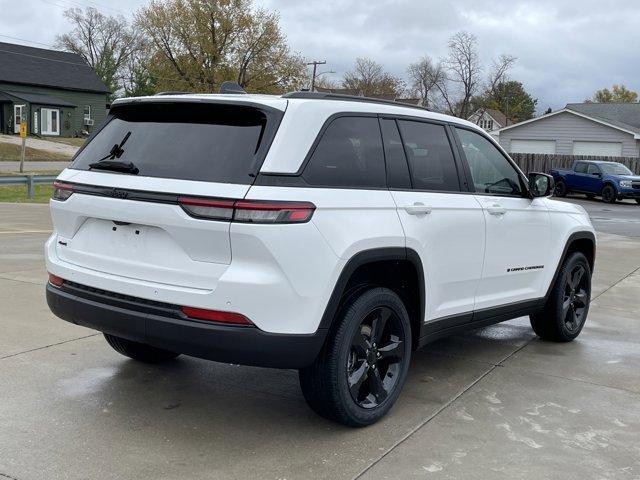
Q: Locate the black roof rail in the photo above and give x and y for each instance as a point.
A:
(350, 98)
(159, 94)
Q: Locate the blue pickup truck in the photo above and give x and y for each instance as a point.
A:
(610, 180)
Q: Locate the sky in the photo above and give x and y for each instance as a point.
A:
(565, 49)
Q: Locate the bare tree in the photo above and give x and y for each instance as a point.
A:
(369, 78)
(464, 70)
(498, 73)
(106, 43)
(425, 76)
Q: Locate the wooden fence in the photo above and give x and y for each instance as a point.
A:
(537, 162)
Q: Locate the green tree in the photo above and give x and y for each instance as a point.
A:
(106, 43)
(618, 94)
(198, 44)
(510, 98)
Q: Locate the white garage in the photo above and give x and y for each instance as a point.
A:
(601, 149)
(601, 130)
(533, 146)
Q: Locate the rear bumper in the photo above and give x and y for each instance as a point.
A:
(160, 325)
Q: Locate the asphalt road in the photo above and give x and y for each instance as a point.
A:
(495, 403)
(620, 218)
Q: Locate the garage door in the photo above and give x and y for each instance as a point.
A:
(533, 146)
(603, 149)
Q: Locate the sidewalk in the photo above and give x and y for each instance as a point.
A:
(39, 144)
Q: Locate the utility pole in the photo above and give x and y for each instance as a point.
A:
(315, 64)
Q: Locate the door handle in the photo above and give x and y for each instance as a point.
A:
(496, 209)
(418, 209)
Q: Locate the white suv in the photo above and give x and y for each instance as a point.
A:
(325, 233)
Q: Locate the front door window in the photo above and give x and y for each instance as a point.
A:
(50, 121)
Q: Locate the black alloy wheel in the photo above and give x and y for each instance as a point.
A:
(375, 361)
(576, 298)
(361, 369)
(565, 311)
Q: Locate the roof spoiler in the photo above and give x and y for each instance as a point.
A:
(231, 87)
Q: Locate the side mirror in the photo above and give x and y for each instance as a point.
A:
(541, 184)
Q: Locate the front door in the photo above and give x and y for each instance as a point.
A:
(18, 111)
(50, 121)
(518, 228)
(444, 226)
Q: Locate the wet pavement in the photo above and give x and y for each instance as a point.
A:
(493, 403)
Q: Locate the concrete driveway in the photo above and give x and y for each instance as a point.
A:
(495, 403)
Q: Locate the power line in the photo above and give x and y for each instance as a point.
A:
(71, 3)
(25, 40)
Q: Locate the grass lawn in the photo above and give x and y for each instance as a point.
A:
(76, 142)
(11, 153)
(18, 193)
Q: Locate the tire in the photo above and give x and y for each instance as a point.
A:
(567, 307)
(591, 196)
(561, 189)
(139, 351)
(374, 360)
(609, 194)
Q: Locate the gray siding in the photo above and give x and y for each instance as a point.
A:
(71, 118)
(565, 128)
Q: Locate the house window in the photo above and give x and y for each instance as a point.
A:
(87, 112)
(486, 124)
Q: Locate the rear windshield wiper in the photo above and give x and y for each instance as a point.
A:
(109, 162)
(115, 166)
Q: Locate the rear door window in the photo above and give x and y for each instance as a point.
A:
(187, 141)
(349, 154)
(430, 157)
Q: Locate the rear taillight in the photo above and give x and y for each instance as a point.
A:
(55, 280)
(209, 209)
(61, 191)
(217, 316)
(248, 211)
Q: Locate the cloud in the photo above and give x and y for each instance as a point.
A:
(566, 49)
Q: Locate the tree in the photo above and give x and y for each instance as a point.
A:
(369, 78)
(510, 98)
(425, 75)
(106, 43)
(454, 84)
(618, 94)
(463, 71)
(198, 44)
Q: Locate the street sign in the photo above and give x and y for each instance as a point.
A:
(23, 129)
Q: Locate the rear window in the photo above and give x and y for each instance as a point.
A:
(205, 142)
(349, 154)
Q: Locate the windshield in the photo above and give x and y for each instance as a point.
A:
(187, 141)
(615, 168)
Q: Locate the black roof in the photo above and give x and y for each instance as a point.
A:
(48, 68)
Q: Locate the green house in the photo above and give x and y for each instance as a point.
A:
(57, 93)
